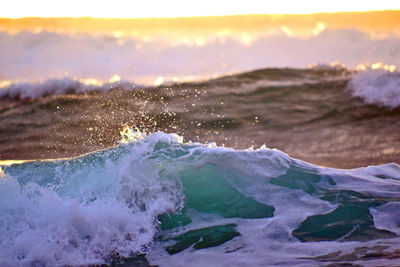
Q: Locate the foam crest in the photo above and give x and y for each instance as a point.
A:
(376, 86)
(59, 86)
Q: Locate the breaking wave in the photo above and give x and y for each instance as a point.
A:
(380, 87)
(209, 204)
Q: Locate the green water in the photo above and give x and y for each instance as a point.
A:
(207, 192)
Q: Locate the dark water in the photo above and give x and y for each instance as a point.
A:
(308, 113)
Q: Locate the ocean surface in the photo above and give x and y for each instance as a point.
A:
(128, 151)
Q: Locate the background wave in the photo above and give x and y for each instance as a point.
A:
(374, 86)
(281, 108)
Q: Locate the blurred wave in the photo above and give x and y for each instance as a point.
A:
(28, 56)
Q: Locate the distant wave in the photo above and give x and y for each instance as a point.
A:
(248, 80)
(373, 86)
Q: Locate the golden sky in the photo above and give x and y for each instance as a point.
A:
(376, 23)
(180, 8)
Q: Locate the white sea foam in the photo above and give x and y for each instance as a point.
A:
(82, 211)
(387, 216)
(37, 89)
(377, 86)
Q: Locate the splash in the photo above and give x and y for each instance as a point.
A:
(377, 84)
(128, 135)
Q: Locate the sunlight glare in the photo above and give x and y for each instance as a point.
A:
(179, 8)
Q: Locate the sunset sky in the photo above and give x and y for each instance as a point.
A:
(180, 8)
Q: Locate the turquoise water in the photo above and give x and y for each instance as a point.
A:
(191, 203)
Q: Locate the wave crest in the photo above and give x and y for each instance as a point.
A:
(376, 86)
(59, 86)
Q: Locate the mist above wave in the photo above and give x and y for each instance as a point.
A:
(27, 56)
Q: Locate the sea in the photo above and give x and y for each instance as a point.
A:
(179, 147)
